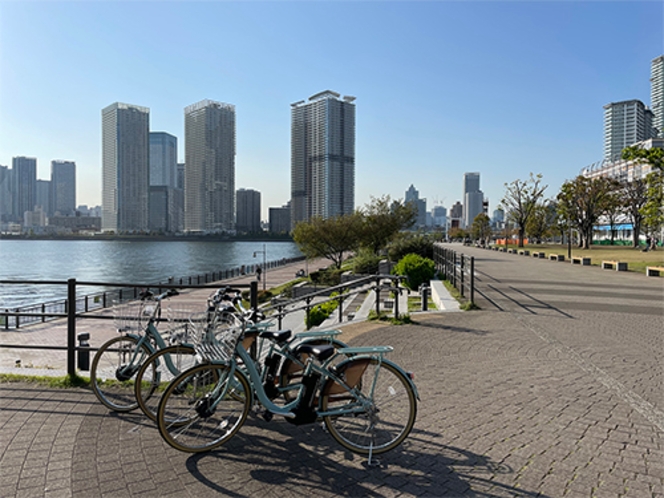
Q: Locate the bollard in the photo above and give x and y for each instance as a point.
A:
(424, 292)
(83, 356)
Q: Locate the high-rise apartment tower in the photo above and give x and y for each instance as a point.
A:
(63, 188)
(625, 123)
(473, 198)
(657, 94)
(322, 157)
(125, 167)
(248, 211)
(24, 186)
(209, 186)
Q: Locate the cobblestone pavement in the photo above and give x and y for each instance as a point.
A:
(553, 389)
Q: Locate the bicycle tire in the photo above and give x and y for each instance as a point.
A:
(391, 412)
(148, 392)
(185, 418)
(113, 371)
(291, 372)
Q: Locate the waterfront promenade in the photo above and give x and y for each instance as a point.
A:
(553, 389)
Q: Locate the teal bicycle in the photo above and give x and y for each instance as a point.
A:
(281, 362)
(367, 402)
(116, 363)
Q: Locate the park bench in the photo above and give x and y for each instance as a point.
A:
(654, 271)
(617, 265)
(581, 261)
(557, 257)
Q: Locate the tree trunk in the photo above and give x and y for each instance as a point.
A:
(521, 235)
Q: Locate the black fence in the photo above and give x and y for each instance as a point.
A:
(456, 268)
(72, 313)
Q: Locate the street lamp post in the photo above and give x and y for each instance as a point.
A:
(263, 269)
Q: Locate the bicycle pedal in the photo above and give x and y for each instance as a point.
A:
(267, 415)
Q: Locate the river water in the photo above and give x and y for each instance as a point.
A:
(119, 261)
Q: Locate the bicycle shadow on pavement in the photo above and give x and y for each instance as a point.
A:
(306, 460)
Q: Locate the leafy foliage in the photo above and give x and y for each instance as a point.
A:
(383, 219)
(481, 227)
(653, 214)
(654, 156)
(417, 269)
(329, 238)
(411, 243)
(365, 262)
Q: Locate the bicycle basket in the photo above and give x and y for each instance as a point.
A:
(215, 339)
(180, 327)
(132, 316)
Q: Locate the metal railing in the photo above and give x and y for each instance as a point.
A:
(456, 268)
(72, 313)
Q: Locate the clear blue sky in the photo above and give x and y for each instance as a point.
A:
(443, 88)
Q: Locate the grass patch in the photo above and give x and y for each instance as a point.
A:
(385, 317)
(636, 259)
(62, 382)
(464, 304)
(415, 304)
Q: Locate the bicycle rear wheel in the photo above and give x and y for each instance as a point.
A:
(114, 369)
(386, 401)
(149, 386)
(203, 407)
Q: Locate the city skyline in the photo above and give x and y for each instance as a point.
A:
(507, 88)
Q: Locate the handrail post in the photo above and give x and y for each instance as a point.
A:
(253, 295)
(71, 327)
(280, 310)
(377, 297)
(472, 280)
(463, 276)
(397, 295)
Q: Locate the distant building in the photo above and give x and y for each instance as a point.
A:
(5, 194)
(456, 211)
(473, 198)
(63, 188)
(413, 197)
(125, 168)
(322, 157)
(43, 197)
(166, 213)
(625, 123)
(163, 159)
(498, 219)
(439, 216)
(209, 176)
(24, 186)
(74, 224)
(180, 177)
(248, 211)
(657, 94)
(280, 219)
(622, 170)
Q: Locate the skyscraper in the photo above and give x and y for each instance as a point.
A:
(413, 196)
(472, 198)
(322, 157)
(24, 186)
(625, 123)
(209, 187)
(657, 94)
(248, 211)
(163, 159)
(63, 188)
(125, 167)
(5, 193)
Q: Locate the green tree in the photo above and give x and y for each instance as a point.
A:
(541, 221)
(520, 200)
(481, 227)
(653, 209)
(634, 195)
(329, 238)
(654, 156)
(613, 207)
(383, 220)
(582, 201)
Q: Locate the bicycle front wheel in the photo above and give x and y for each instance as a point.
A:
(203, 407)
(114, 369)
(167, 363)
(379, 412)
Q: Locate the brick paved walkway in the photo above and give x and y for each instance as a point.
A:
(553, 389)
